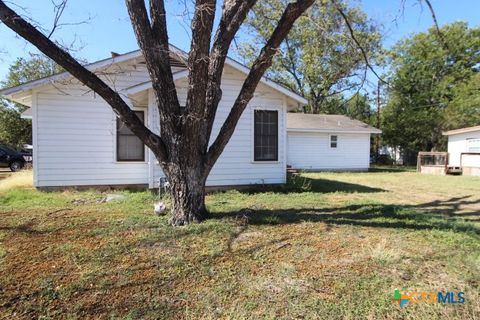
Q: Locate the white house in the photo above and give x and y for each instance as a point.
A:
(464, 149)
(328, 142)
(78, 140)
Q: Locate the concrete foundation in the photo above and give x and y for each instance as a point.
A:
(435, 170)
(471, 171)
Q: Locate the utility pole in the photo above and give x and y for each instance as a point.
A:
(377, 138)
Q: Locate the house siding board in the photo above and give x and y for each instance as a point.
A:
(75, 136)
(457, 144)
(311, 151)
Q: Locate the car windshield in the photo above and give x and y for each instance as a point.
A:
(8, 150)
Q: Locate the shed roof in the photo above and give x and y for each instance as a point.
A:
(327, 123)
(462, 130)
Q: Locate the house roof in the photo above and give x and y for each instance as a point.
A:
(20, 92)
(27, 114)
(327, 123)
(462, 130)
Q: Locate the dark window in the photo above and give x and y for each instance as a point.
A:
(333, 141)
(129, 146)
(266, 135)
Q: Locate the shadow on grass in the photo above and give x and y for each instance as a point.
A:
(26, 228)
(391, 169)
(298, 183)
(439, 215)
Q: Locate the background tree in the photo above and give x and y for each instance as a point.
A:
(318, 59)
(359, 107)
(434, 87)
(464, 108)
(14, 130)
(183, 147)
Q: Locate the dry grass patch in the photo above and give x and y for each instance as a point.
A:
(21, 179)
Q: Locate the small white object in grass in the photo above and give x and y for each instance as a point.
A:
(115, 197)
(159, 208)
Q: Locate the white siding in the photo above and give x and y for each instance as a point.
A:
(311, 151)
(75, 137)
(471, 160)
(457, 144)
(236, 166)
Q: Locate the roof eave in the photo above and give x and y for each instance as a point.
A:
(459, 131)
(184, 73)
(60, 76)
(137, 53)
(335, 130)
(27, 114)
(289, 93)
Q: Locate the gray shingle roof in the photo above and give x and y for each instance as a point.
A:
(326, 123)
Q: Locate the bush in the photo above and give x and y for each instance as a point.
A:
(384, 159)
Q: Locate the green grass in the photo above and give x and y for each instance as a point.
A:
(326, 246)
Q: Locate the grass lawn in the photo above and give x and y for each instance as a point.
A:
(328, 246)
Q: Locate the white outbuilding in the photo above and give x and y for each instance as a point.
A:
(328, 142)
(464, 149)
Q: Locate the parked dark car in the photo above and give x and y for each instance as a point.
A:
(9, 158)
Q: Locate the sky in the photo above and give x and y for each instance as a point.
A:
(100, 27)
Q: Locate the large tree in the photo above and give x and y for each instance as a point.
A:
(183, 148)
(14, 130)
(434, 87)
(319, 58)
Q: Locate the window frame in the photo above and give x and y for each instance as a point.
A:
(144, 154)
(253, 140)
(330, 141)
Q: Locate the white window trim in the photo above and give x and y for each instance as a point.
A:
(114, 127)
(330, 141)
(252, 133)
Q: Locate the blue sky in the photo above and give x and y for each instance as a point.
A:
(109, 28)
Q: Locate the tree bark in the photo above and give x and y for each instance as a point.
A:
(187, 189)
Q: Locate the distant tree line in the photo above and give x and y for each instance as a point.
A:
(434, 86)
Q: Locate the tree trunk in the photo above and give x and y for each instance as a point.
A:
(187, 190)
(188, 201)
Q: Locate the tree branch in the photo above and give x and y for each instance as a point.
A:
(293, 70)
(152, 39)
(359, 45)
(234, 13)
(13, 21)
(59, 8)
(435, 22)
(291, 13)
(198, 57)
